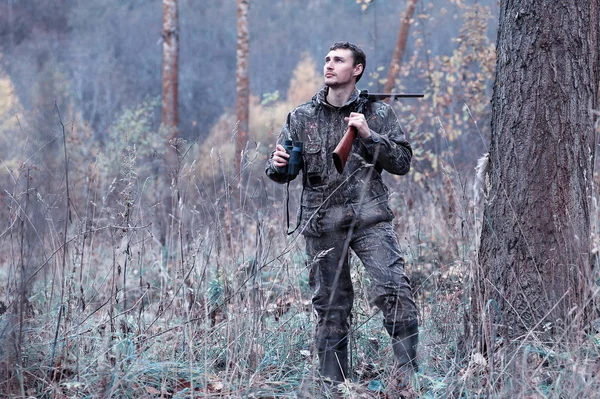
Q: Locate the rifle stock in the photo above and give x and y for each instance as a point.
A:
(342, 151)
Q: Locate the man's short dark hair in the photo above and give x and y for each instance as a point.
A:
(358, 55)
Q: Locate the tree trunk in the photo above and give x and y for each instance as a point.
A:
(400, 46)
(534, 280)
(170, 116)
(242, 81)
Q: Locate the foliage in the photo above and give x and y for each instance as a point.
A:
(134, 127)
(456, 111)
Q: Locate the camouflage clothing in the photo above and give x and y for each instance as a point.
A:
(350, 210)
(377, 248)
(331, 201)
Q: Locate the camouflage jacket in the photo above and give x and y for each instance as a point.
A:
(357, 197)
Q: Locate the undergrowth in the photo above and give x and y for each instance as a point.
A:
(221, 306)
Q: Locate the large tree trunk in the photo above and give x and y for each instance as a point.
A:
(400, 46)
(170, 116)
(242, 81)
(534, 279)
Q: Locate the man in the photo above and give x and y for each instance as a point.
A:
(350, 210)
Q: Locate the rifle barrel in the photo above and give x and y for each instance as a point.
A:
(394, 96)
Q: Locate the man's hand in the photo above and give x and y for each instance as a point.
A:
(360, 123)
(280, 157)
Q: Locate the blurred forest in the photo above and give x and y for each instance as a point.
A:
(103, 57)
(99, 65)
(124, 277)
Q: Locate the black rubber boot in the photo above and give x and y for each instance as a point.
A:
(333, 361)
(404, 343)
(333, 366)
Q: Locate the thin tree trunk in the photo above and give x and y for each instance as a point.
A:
(400, 46)
(170, 115)
(535, 277)
(242, 80)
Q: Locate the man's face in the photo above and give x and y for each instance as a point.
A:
(339, 68)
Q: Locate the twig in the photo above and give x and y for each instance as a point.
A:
(64, 259)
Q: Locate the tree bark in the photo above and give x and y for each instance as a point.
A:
(242, 80)
(534, 279)
(400, 46)
(170, 115)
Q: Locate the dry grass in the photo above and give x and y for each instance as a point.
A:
(221, 306)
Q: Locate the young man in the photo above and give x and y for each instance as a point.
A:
(350, 210)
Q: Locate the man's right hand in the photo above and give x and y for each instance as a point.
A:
(280, 157)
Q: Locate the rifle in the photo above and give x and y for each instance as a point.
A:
(342, 151)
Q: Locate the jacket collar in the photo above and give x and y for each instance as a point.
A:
(320, 98)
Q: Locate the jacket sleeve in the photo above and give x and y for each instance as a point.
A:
(279, 175)
(389, 147)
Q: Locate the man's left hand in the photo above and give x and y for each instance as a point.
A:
(360, 123)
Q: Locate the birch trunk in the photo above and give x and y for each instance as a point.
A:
(242, 80)
(170, 115)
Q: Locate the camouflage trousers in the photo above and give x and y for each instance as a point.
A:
(329, 278)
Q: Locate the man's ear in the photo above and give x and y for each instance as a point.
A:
(358, 69)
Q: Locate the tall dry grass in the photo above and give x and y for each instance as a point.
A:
(95, 305)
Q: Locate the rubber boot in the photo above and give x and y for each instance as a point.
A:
(333, 366)
(404, 344)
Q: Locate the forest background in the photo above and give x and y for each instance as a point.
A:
(123, 276)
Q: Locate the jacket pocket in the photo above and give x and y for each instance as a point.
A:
(310, 213)
(315, 162)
